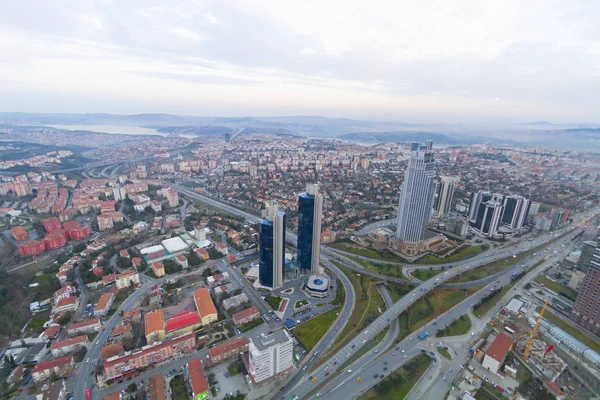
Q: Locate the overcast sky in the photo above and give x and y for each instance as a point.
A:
(414, 61)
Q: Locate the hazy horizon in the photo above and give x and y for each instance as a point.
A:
(429, 63)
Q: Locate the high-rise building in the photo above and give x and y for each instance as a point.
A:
(586, 311)
(416, 194)
(445, 193)
(587, 253)
(515, 211)
(270, 355)
(310, 210)
(533, 209)
(173, 198)
(476, 200)
(272, 246)
(488, 217)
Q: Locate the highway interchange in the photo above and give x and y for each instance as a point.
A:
(299, 384)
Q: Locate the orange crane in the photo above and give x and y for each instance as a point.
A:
(534, 331)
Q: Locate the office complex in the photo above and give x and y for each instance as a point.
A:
(272, 246)
(515, 211)
(310, 210)
(476, 200)
(586, 311)
(271, 355)
(416, 194)
(488, 217)
(445, 193)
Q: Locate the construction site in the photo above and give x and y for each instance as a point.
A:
(523, 356)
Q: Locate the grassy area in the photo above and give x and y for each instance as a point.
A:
(178, 388)
(488, 392)
(354, 248)
(573, 331)
(36, 325)
(340, 294)
(251, 325)
(366, 309)
(457, 327)
(273, 301)
(311, 331)
(460, 254)
(300, 303)
(399, 383)
(488, 305)
(557, 287)
(397, 291)
(425, 274)
(429, 307)
(383, 269)
(445, 353)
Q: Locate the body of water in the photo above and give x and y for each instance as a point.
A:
(112, 129)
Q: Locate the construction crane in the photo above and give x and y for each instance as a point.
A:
(534, 331)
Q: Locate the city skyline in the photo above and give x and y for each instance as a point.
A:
(409, 62)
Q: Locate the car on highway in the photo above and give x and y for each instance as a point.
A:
(358, 379)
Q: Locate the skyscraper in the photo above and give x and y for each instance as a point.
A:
(272, 246)
(586, 311)
(515, 211)
(416, 194)
(488, 217)
(310, 210)
(476, 200)
(445, 193)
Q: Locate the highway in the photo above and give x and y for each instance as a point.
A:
(345, 384)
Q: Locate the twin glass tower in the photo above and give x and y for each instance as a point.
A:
(272, 238)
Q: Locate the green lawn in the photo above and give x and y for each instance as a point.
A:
(488, 305)
(432, 305)
(251, 325)
(311, 331)
(445, 353)
(557, 287)
(488, 392)
(425, 274)
(36, 325)
(398, 384)
(458, 255)
(273, 301)
(383, 269)
(569, 328)
(300, 303)
(457, 327)
(367, 252)
(178, 388)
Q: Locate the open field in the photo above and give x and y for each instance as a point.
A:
(311, 331)
(457, 327)
(458, 255)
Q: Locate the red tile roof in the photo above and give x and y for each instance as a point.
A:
(69, 342)
(182, 320)
(111, 350)
(82, 324)
(228, 346)
(197, 378)
(245, 313)
(51, 364)
(204, 303)
(500, 347)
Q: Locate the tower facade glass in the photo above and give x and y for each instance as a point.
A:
(310, 210)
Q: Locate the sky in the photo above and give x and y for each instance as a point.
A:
(412, 61)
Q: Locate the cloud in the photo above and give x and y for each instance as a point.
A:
(427, 59)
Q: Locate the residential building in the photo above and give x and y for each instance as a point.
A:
(310, 214)
(587, 253)
(128, 278)
(156, 388)
(134, 316)
(228, 349)
(221, 248)
(586, 311)
(173, 198)
(416, 194)
(197, 379)
(496, 353)
(202, 253)
(444, 196)
(51, 224)
(248, 315)
(105, 222)
(52, 391)
(66, 305)
(147, 356)
(158, 268)
(272, 246)
(64, 292)
(121, 331)
(271, 355)
(104, 304)
(111, 350)
(205, 306)
(218, 279)
(235, 301)
(19, 233)
(181, 260)
(57, 367)
(88, 326)
(69, 345)
(31, 248)
(154, 326)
